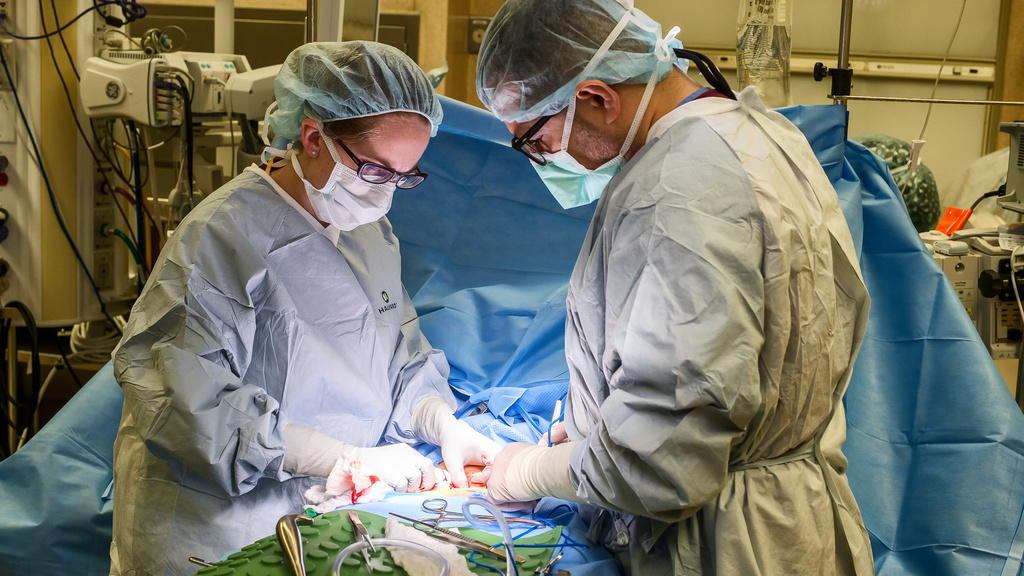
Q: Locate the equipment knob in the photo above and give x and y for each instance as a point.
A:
(820, 71)
(992, 283)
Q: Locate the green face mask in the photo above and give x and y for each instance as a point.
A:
(570, 182)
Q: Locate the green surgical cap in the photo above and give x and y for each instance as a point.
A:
(338, 80)
(535, 53)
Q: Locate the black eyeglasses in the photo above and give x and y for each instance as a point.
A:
(525, 145)
(376, 174)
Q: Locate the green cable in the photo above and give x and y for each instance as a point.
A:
(127, 241)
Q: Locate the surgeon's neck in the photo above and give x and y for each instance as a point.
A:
(667, 95)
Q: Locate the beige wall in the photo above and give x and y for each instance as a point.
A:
(57, 129)
(433, 29)
(462, 77)
(433, 21)
(1010, 85)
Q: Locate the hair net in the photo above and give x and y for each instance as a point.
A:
(535, 53)
(920, 194)
(337, 80)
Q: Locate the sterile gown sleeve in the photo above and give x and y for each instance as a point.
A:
(418, 372)
(182, 357)
(683, 305)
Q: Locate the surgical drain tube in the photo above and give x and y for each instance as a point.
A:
(510, 551)
(390, 543)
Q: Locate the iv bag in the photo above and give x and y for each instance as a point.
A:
(763, 49)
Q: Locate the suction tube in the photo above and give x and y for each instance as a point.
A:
(391, 543)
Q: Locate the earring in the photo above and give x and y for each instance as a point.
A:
(312, 152)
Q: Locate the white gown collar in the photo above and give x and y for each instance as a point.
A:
(329, 231)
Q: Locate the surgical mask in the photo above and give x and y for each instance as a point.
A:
(571, 183)
(345, 201)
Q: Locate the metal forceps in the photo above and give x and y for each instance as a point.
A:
(439, 506)
(361, 532)
(550, 568)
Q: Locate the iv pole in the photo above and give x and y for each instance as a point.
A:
(842, 74)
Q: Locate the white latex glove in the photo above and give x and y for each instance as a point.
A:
(433, 421)
(313, 453)
(399, 466)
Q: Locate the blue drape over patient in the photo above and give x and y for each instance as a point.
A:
(935, 440)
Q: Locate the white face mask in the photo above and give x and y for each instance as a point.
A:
(346, 201)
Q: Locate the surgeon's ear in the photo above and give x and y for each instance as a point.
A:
(596, 96)
(310, 137)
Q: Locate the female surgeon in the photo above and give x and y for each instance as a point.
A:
(274, 334)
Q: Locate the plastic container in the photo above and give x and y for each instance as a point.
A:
(763, 49)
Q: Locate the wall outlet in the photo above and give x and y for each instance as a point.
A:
(5, 10)
(103, 269)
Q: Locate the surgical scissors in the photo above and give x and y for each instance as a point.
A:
(439, 506)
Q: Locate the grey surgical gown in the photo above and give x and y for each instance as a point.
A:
(254, 318)
(715, 313)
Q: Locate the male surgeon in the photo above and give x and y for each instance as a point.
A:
(714, 313)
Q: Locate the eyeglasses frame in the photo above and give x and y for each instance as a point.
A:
(361, 165)
(523, 143)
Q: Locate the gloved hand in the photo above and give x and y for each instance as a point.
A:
(313, 453)
(433, 421)
(524, 472)
(558, 434)
(399, 466)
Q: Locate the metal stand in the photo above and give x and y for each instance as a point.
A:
(842, 75)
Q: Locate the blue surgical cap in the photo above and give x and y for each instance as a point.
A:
(338, 80)
(535, 53)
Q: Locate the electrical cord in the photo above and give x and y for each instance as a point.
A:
(8, 428)
(42, 392)
(935, 87)
(174, 134)
(1000, 192)
(938, 76)
(104, 231)
(49, 189)
(129, 16)
(67, 362)
(60, 34)
(94, 349)
(116, 31)
(74, 112)
(110, 155)
(156, 41)
(96, 6)
(138, 188)
(958, 235)
(189, 135)
(140, 205)
(34, 365)
(131, 135)
(5, 327)
(33, 336)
